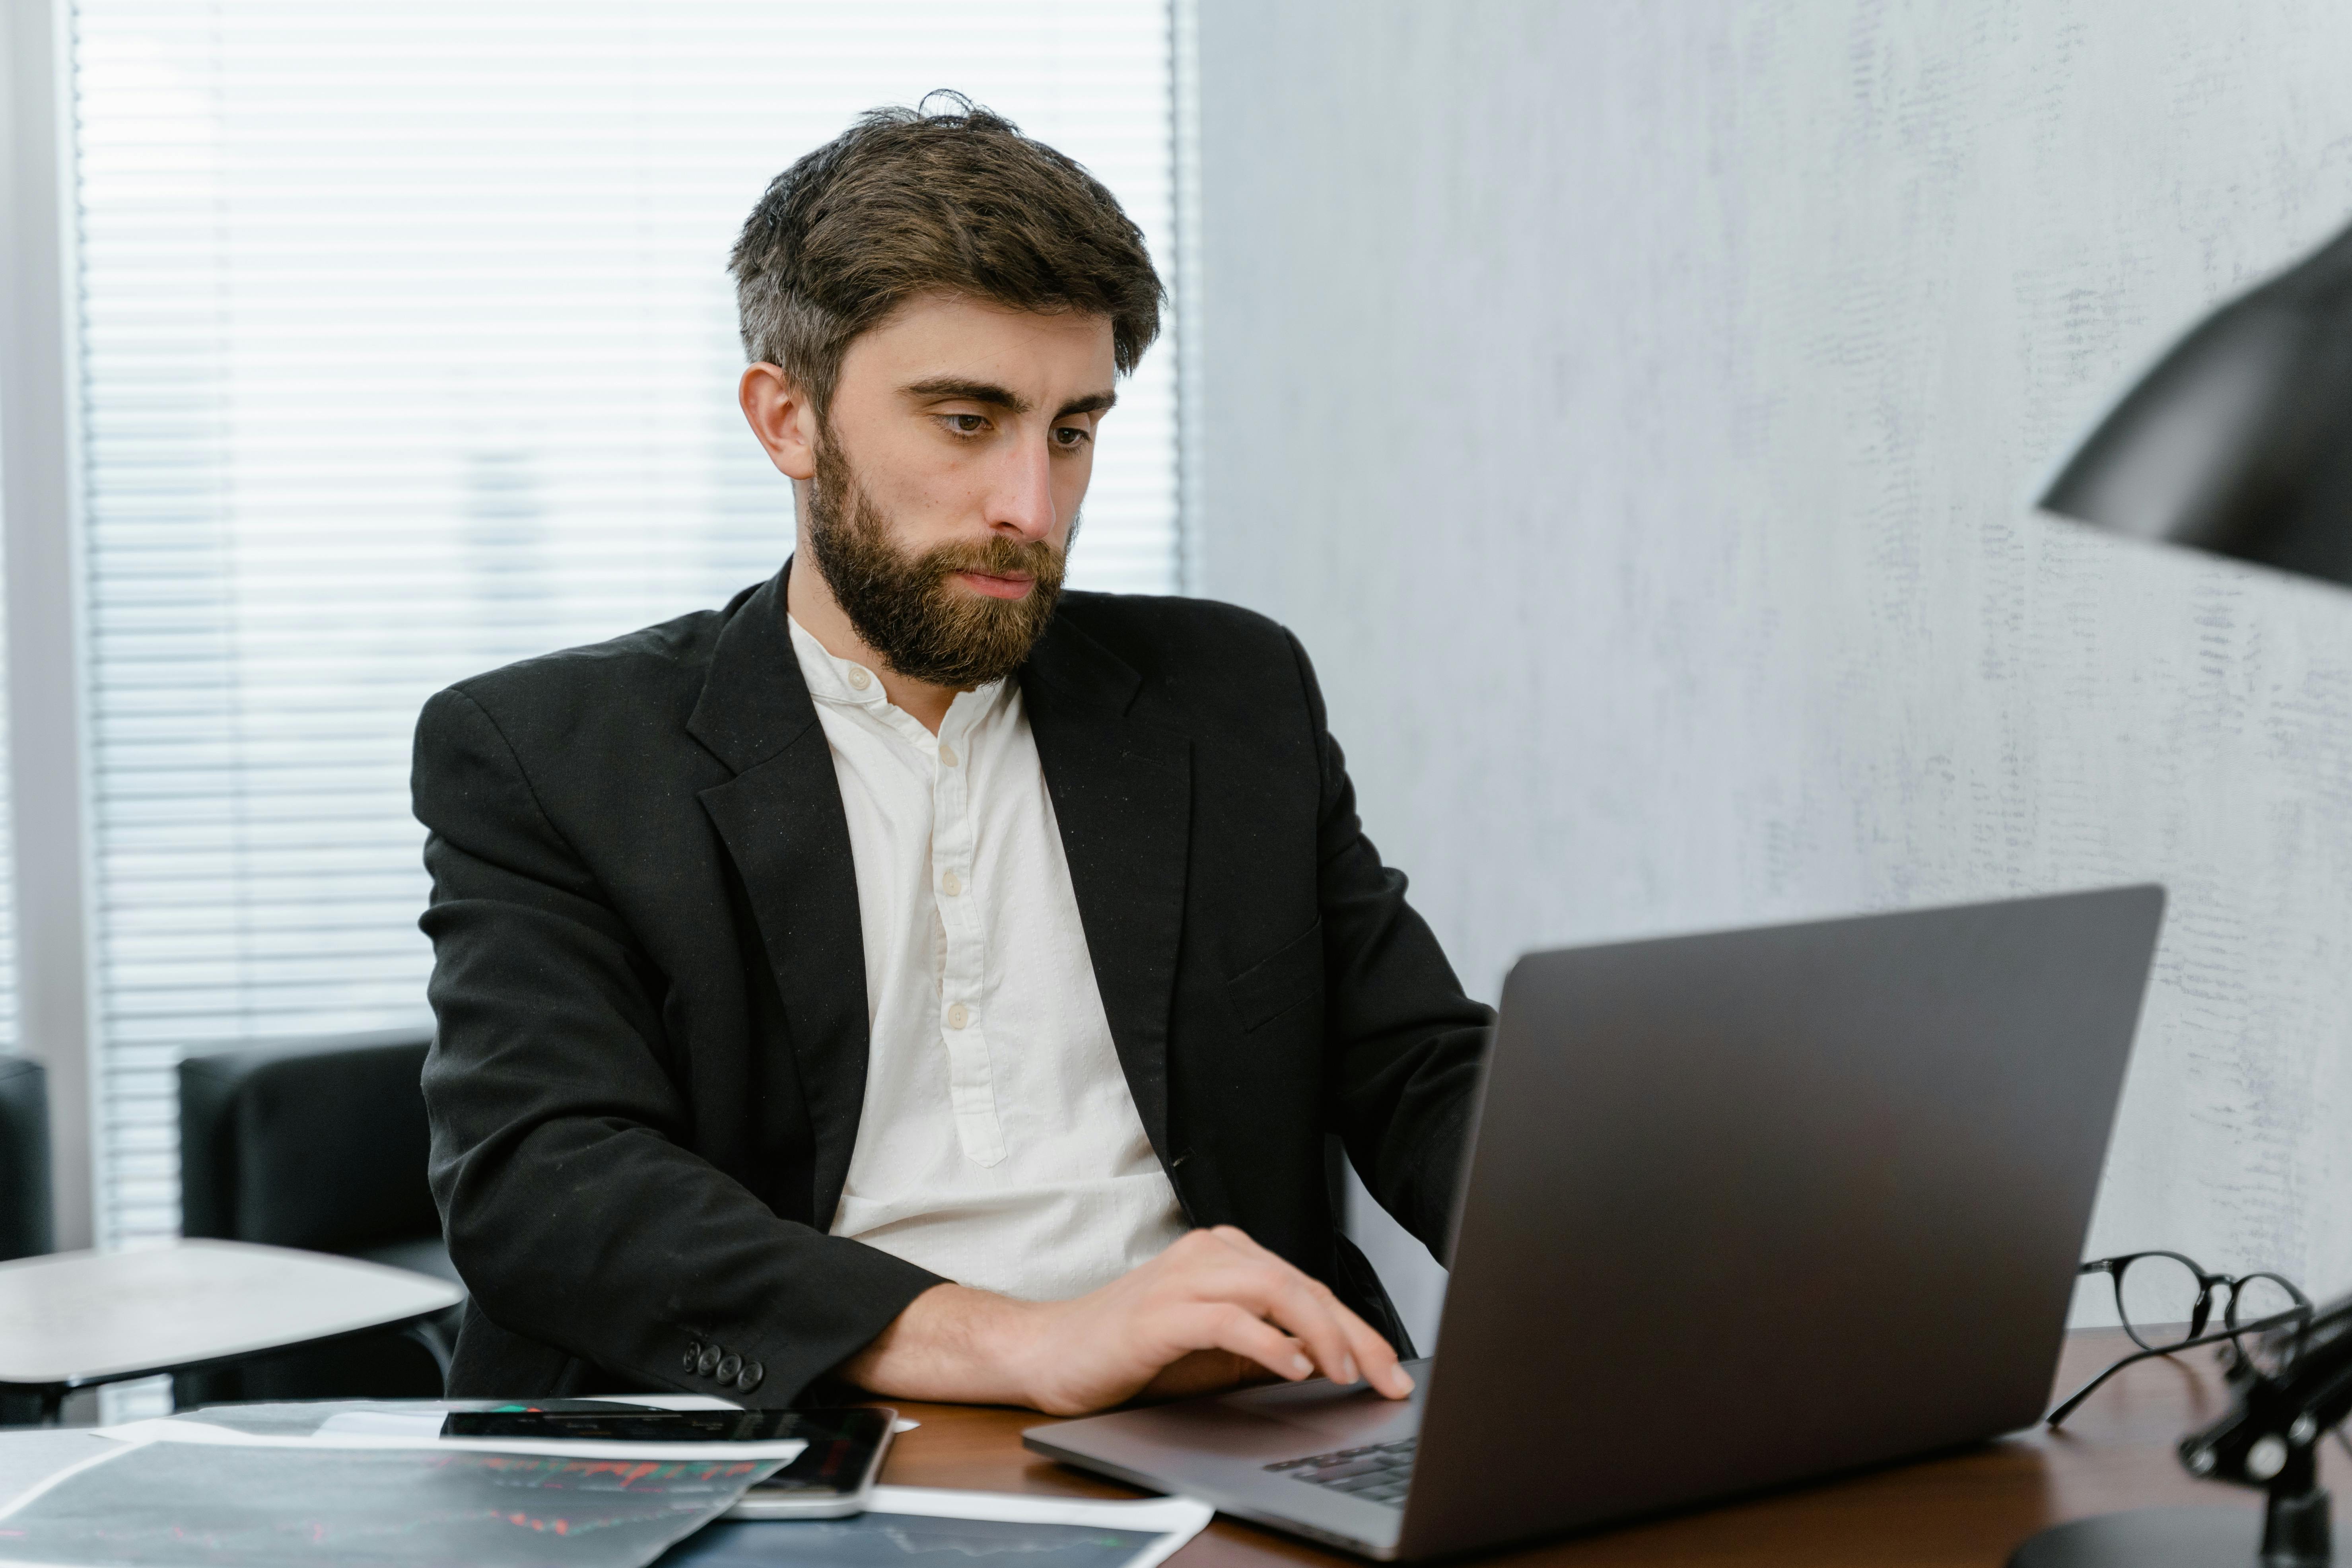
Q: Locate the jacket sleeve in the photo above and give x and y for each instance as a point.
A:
(1402, 1044)
(575, 1207)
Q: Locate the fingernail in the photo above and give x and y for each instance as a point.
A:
(1301, 1365)
(1347, 1369)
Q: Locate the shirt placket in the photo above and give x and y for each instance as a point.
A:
(971, 1086)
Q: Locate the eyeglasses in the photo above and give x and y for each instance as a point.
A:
(2165, 1302)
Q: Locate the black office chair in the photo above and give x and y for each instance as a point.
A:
(28, 1227)
(321, 1144)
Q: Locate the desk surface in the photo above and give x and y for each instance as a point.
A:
(1966, 1511)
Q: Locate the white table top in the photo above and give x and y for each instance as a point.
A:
(92, 1317)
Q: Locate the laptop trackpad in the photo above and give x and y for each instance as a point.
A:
(1282, 1422)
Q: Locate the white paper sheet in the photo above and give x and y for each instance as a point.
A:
(1177, 1519)
(63, 1473)
(917, 1527)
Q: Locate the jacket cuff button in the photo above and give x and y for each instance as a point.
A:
(708, 1362)
(729, 1366)
(749, 1379)
(693, 1354)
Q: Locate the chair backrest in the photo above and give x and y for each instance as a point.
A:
(27, 1223)
(317, 1143)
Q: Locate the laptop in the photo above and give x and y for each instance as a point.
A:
(1743, 1209)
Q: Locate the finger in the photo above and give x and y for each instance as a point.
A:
(1296, 1301)
(1369, 1348)
(1223, 1326)
(1376, 1356)
(1313, 1315)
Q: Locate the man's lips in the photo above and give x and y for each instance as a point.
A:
(1013, 586)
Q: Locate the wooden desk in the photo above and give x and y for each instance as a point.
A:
(1967, 1510)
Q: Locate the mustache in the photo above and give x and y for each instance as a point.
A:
(997, 557)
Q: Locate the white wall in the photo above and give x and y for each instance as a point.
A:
(1635, 408)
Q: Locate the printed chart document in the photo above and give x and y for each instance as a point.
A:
(918, 1527)
(276, 1489)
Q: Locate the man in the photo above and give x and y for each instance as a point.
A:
(909, 975)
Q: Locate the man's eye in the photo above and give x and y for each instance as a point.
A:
(967, 424)
(1072, 436)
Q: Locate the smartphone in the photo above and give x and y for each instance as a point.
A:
(833, 1477)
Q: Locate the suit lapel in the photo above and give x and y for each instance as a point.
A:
(1122, 793)
(782, 820)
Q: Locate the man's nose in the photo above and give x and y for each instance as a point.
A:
(1020, 501)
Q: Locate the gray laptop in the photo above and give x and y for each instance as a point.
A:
(1744, 1208)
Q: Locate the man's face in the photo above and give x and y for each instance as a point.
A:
(947, 479)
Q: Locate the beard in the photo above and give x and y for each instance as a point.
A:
(904, 607)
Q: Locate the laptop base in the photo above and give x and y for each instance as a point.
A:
(1219, 1450)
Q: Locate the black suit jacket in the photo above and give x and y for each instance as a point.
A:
(650, 981)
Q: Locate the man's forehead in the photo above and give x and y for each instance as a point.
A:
(945, 338)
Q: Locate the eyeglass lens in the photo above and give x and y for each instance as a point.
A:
(2156, 1294)
(2259, 1297)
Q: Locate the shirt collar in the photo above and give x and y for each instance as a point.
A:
(847, 683)
(832, 679)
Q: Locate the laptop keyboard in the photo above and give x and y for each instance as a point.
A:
(1377, 1472)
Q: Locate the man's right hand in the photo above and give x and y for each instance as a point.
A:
(1201, 1316)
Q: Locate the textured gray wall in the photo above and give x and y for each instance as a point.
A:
(1636, 406)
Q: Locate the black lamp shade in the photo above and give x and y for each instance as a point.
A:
(2240, 441)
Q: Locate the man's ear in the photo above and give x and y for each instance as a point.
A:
(782, 417)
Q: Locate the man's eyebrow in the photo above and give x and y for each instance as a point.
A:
(1095, 403)
(940, 388)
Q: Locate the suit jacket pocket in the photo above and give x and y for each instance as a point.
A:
(1291, 977)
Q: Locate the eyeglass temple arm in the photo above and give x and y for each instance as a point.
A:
(2080, 1394)
(2138, 1356)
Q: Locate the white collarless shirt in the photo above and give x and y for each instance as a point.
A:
(998, 1144)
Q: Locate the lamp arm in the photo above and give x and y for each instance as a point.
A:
(2269, 1431)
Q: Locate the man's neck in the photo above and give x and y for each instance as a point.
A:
(809, 599)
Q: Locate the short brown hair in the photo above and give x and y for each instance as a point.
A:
(907, 202)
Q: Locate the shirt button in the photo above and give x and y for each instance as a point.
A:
(951, 884)
(859, 680)
(947, 754)
(959, 1015)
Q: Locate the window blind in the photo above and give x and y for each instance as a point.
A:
(409, 350)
